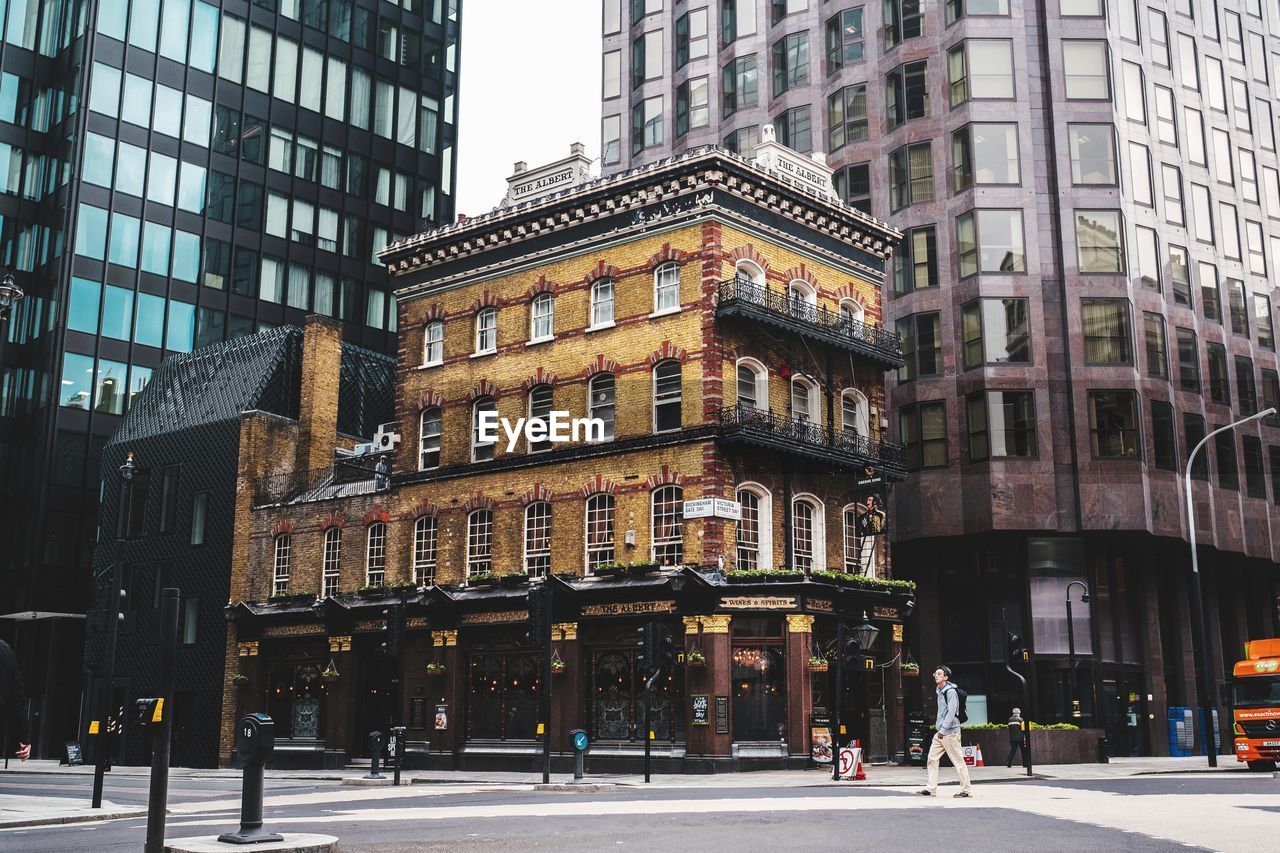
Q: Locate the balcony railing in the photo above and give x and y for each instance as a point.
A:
(745, 297)
(344, 478)
(806, 438)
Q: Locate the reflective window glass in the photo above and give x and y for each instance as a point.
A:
(117, 312)
(149, 328)
(155, 248)
(82, 314)
(182, 327)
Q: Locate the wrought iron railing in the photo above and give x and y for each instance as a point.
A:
(343, 478)
(768, 425)
(834, 323)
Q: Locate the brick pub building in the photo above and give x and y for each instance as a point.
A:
(721, 318)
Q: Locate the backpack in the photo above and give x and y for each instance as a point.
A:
(962, 716)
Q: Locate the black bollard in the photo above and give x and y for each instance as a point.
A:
(398, 749)
(375, 752)
(255, 741)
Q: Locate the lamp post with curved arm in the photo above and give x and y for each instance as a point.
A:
(1203, 660)
(1073, 702)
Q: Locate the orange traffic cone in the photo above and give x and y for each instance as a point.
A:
(977, 755)
(859, 773)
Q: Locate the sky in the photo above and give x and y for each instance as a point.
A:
(529, 86)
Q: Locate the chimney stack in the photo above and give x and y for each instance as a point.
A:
(318, 400)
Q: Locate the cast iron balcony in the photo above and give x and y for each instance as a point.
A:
(760, 428)
(742, 297)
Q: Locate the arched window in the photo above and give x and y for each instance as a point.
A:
(666, 288)
(540, 409)
(479, 543)
(487, 331)
(855, 414)
(424, 550)
(852, 553)
(332, 561)
(805, 405)
(537, 539)
(666, 395)
(808, 539)
(755, 529)
(749, 271)
(376, 555)
(542, 318)
(602, 303)
(433, 343)
(280, 583)
(599, 530)
(429, 438)
(668, 525)
(753, 385)
(482, 448)
(851, 311)
(802, 295)
(600, 404)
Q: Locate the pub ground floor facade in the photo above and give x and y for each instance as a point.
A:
(1135, 664)
(754, 685)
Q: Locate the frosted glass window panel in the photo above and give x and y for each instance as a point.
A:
(204, 37)
(304, 219)
(104, 92)
(331, 167)
(271, 283)
(174, 25)
(327, 230)
(285, 78)
(1194, 123)
(117, 312)
(280, 150)
(382, 188)
(277, 215)
(335, 90)
(21, 19)
(144, 16)
(383, 107)
(91, 231)
(289, 8)
(401, 198)
(168, 112)
(231, 50)
(428, 124)
(99, 159)
(136, 108)
(324, 295)
(113, 17)
(312, 79)
(191, 183)
(131, 169)
(299, 285)
(306, 155)
(122, 248)
(149, 329)
(155, 248)
(258, 70)
(361, 84)
(163, 179)
(11, 168)
(198, 123)
(406, 125)
(181, 332)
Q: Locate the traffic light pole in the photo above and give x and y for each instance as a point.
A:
(108, 675)
(835, 733)
(162, 734)
(1026, 695)
(545, 628)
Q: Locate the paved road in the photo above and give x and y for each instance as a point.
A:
(1230, 812)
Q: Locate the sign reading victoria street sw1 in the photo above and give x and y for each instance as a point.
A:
(713, 508)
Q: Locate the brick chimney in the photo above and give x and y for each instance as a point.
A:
(318, 401)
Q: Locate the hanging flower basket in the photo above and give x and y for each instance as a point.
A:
(435, 668)
(818, 664)
(910, 670)
(695, 659)
(240, 680)
(558, 667)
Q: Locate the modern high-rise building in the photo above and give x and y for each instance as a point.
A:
(1090, 197)
(175, 173)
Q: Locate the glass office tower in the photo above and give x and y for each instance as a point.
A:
(175, 173)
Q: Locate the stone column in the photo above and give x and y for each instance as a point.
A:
(717, 680)
(338, 697)
(799, 691)
(567, 687)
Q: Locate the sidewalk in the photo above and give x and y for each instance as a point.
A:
(18, 811)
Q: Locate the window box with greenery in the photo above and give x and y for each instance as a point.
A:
(292, 597)
(863, 582)
(518, 579)
(372, 590)
(483, 579)
(783, 575)
(402, 586)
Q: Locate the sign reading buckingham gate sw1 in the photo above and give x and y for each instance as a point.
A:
(713, 508)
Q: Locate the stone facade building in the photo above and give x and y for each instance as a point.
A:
(721, 322)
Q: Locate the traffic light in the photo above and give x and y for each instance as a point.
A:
(539, 619)
(102, 616)
(1018, 652)
(851, 654)
(666, 648)
(394, 616)
(149, 711)
(649, 657)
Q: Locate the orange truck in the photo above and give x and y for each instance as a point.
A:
(1255, 704)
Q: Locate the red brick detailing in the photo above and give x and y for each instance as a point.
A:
(803, 275)
(602, 270)
(541, 376)
(666, 351)
(435, 312)
(598, 484)
(488, 299)
(478, 501)
(378, 513)
(332, 520)
(849, 292)
(664, 477)
(749, 253)
(538, 492)
(666, 254)
(430, 398)
(423, 507)
(485, 388)
(600, 365)
(283, 527)
(540, 286)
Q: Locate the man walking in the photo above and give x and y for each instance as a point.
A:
(947, 737)
(1015, 738)
(13, 703)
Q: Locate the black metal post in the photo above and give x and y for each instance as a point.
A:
(102, 745)
(161, 735)
(546, 679)
(837, 702)
(648, 693)
(1026, 693)
(1204, 663)
(398, 752)
(1071, 660)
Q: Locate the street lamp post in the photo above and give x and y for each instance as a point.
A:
(10, 295)
(1203, 660)
(1071, 647)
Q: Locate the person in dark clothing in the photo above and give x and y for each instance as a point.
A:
(1015, 738)
(13, 703)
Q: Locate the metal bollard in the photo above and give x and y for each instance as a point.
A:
(398, 748)
(580, 744)
(375, 752)
(255, 741)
